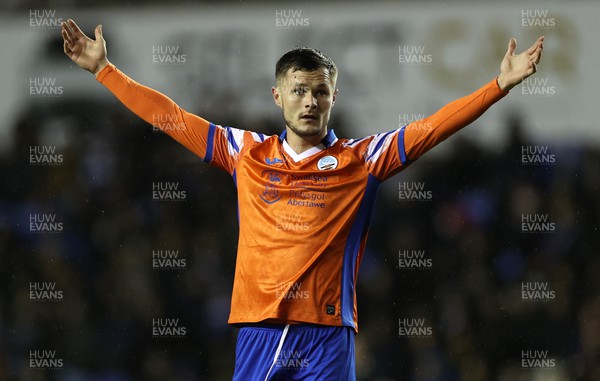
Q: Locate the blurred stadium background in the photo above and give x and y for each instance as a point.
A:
(535, 155)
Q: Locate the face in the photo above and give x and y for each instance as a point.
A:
(306, 98)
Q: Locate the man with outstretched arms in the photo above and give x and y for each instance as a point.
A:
(305, 201)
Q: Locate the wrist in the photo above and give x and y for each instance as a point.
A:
(104, 63)
(501, 81)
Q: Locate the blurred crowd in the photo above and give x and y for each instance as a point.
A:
(470, 229)
(40, 4)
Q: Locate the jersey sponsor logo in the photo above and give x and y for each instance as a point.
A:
(273, 161)
(271, 193)
(309, 182)
(327, 162)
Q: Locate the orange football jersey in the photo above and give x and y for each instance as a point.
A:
(303, 218)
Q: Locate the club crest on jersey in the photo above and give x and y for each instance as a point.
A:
(271, 193)
(327, 162)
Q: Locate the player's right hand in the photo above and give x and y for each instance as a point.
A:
(85, 52)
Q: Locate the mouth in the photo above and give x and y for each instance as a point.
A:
(309, 117)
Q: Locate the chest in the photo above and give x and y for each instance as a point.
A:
(267, 177)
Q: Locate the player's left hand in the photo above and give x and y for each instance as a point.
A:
(515, 68)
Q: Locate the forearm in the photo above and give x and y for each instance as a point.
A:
(157, 109)
(145, 102)
(422, 135)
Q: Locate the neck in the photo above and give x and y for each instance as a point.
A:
(303, 143)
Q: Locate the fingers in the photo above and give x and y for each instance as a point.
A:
(533, 67)
(75, 29)
(68, 40)
(67, 28)
(98, 33)
(538, 44)
(66, 32)
(66, 43)
(71, 32)
(65, 35)
(536, 57)
(535, 51)
(512, 45)
(66, 48)
(540, 49)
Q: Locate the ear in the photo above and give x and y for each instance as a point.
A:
(334, 97)
(276, 96)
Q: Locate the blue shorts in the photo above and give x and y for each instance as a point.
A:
(294, 352)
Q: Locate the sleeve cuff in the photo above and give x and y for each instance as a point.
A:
(104, 72)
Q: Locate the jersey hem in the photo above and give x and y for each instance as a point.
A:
(292, 319)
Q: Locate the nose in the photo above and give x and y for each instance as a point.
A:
(310, 102)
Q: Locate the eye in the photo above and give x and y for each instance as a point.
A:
(299, 91)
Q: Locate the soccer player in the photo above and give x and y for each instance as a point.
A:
(305, 201)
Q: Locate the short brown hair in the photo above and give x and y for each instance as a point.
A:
(307, 59)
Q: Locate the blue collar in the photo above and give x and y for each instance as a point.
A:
(327, 140)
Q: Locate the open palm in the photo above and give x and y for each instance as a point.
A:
(515, 68)
(87, 53)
